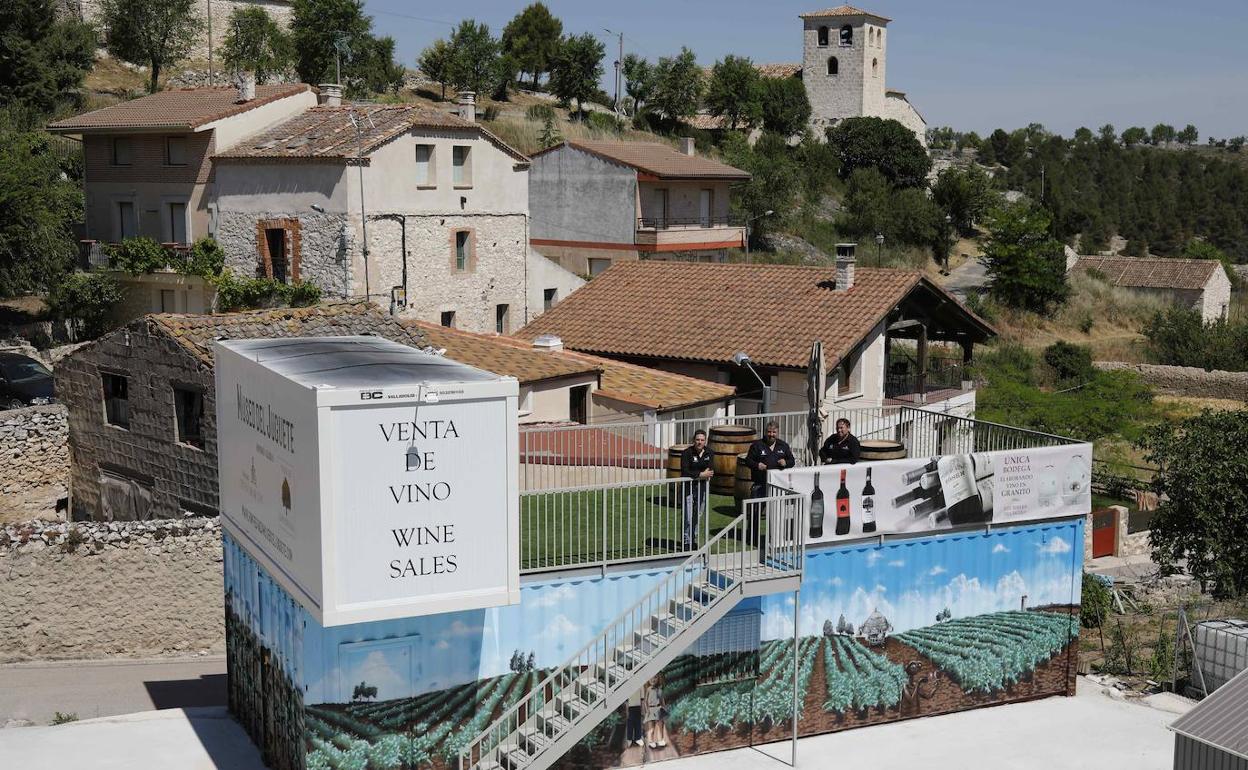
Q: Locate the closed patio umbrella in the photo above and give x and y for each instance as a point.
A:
(816, 388)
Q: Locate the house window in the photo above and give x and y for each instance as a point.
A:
(189, 406)
(706, 207)
(127, 221)
(823, 36)
(577, 404)
(463, 250)
(277, 243)
(123, 151)
(275, 239)
(597, 266)
(875, 68)
(168, 301)
(175, 151)
(549, 298)
(849, 376)
(448, 319)
(424, 166)
(177, 223)
(461, 162)
(833, 65)
(116, 399)
(502, 318)
(660, 208)
(847, 35)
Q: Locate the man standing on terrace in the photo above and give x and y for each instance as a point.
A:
(695, 464)
(769, 453)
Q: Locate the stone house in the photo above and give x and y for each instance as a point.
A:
(141, 408)
(561, 386)
(1199, 284)
(594, 203)
(879, 328)
(444, 203)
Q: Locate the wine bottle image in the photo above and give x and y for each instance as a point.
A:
(912, 476)
(868, 505)
(816, 511)
(842, 507)
(961, 492)
(916, 493)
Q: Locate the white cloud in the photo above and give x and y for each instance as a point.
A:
(376, 670)
(836, 581)
(873, 557)
(1055, 546)
(442, 645)
(937, 570)
(560, 628)
(1000, 548)
(897, 563)
(552, 597)
(460, 628)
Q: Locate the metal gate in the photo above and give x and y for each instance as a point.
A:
(1104, 532)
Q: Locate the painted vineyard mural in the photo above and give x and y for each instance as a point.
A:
(910, 628)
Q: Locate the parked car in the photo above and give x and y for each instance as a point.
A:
(23, 382)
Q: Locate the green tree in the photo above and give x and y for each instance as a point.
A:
(1203, 517)
(576, 70)
(87, 301)
(39, 206)
(550, 134)
(435, 62)
(322, 32)
(1134, 135)
(786, 108)
(532, 39)
(156, 33)
(638, 80)
(43, 58)
(1026, 265)
(775, 179)
(1162, 133)
(475, 63)
(1189, 135)
(883, 144)
(256, 43)
(678, 86)
(867, 208)
(965, 194)
(734, 92)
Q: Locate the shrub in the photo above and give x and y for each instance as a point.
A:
(979, 305)
(244, 293)
(540, 113)
(601, 121)
(1069, 362)
(490, 114)
(1094, 607)
(138, 256)
(1178, 337)
(206, 259)
(87, 301)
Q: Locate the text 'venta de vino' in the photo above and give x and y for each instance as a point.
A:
(842, 507)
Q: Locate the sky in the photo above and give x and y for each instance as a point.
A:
(973, 65)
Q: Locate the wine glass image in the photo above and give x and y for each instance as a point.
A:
(1048, 486)
(1076, 479)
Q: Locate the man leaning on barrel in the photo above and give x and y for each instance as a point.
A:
(769, 453)
(695, 464)
(841, 447)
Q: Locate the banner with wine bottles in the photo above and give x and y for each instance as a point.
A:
(939, 493)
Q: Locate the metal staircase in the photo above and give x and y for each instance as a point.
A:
(760, 552)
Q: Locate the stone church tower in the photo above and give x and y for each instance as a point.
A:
(844, 58)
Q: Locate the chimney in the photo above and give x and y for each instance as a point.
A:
(686, 145)
(246, 86)
(331, 94)
(550, 343)
(845, 265)
(468, 106)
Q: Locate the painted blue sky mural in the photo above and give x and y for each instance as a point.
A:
(908, 581)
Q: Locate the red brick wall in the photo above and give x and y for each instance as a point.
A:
(148, 159)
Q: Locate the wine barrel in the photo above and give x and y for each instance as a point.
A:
(728, 441)
(673, 460)
(881, 449)
(745, 480)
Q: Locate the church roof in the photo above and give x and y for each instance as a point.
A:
(841, 10)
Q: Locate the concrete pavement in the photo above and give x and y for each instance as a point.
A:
(964, 278)
(1091, 730)
(101, 688)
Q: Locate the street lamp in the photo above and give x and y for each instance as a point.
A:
(741, 358)
(948, 244)
(748, 222)
(879, 245)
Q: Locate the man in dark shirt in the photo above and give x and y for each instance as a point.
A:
(695, 464)
(841, 447)
(769, 453)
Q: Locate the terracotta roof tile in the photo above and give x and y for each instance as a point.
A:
(196, 332)
(516, 356)
(840, 10)
(1151, 272)
(785, 70)
(185, 109)
(325, 132)
(660, 160)
(773, 312)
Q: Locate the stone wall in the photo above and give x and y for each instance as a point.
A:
(34, 461)
(1187, 380)
(322, 247)
(90, 590)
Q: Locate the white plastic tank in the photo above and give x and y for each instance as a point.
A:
(1221, 651)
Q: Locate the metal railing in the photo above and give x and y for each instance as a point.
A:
(667, 223)
(578, 693)
(907, 383)
(94, 255)
(592, 526)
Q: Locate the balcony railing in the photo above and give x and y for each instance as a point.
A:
(93, 255)
(907, 382)
(670, 223)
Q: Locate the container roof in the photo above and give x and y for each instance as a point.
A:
(1219, 720)
(354, 362)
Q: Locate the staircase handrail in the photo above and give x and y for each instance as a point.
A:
(602, 638)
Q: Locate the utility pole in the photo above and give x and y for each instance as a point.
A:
(619, 69)
(359, 140)
(212, 75)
